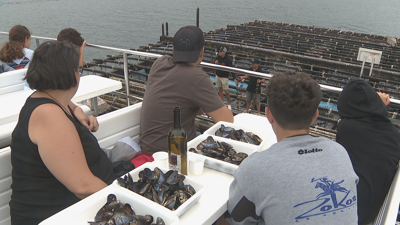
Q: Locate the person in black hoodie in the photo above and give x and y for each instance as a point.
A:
(373, 144)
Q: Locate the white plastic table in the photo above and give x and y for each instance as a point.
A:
(211, 205)
(90, 86)
(213, 202)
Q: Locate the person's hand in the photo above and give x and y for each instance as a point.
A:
(236, 81)
(90, 123)
(216, 61)
(202, 113)
(259, 81)
(384, 97)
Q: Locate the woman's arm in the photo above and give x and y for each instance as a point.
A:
(89, 121)
(61, 150)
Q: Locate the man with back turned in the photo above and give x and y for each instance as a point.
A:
(301, 179)
(176, 81)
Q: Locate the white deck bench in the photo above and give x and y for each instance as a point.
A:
(12, 81)
(113, 126)
(91, 86)
(119, 124)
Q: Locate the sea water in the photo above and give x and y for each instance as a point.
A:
(133, 23)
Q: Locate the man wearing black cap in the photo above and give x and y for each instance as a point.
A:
(253, 87)
(222, 77)
(176, 81)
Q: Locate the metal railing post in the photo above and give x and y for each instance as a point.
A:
(197, 17)
(94, 106)
(126, 75)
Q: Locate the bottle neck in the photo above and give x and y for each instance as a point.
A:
(177, 118)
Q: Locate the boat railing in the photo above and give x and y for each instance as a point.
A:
(127, 52)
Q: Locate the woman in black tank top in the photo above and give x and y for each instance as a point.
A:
(56, 159)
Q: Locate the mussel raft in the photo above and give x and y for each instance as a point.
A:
(329, 55)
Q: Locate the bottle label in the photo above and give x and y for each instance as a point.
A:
(175, 162)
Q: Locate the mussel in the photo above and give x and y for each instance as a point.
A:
(238, 135)
(160, 187)
(116, 213)
(221, 150)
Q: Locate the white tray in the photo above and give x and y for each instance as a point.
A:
(86, 209)
(199, 187)
(260, 133)
(217, 164)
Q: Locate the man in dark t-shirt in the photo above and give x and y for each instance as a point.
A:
(222, 77)
(178, 82)
(253, 87)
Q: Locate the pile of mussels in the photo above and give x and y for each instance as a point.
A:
(166, 189)
(116, 213)
(238, 135)
(219, 150)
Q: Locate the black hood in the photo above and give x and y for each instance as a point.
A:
(373, 144)
(359, 100)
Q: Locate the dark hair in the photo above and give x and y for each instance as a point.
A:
(53, 66)
(70, 35)
(293, 99)
(13, 49)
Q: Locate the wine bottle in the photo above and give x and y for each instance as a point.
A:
(177, 144)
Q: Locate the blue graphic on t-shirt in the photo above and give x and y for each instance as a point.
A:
(333, 198)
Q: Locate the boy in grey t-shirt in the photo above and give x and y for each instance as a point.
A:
(301, 179)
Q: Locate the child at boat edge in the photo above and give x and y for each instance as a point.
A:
(15, 54)
(72, 36)
(301, 179)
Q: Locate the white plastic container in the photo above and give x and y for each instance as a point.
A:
(257, 123)
(217, 164)
(263, 135)
(199, 187)
(86, 209)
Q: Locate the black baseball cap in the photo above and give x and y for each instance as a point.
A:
(188, 42)
(255, 61)
(223, 49)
